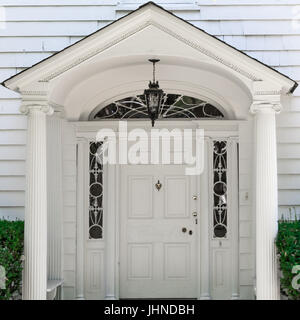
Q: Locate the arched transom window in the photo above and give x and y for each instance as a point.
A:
(174, 106)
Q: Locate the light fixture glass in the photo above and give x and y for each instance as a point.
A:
(153, 96)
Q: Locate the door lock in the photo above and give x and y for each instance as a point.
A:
(190, 232)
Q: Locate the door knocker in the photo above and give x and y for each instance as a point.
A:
(158, 185)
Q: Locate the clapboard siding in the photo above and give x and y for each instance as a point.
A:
(13, 122)
(12, 168)
(14, 152)
(50, 28)
(58, 3)
(288, 135)
(263, 42)
(12, 198)
(61, 13)
(9, 107)
(13, 137)
(10, 183)
(34, 44)
(288, 151)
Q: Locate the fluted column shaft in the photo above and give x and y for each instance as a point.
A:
(54, 196)
(266, 201)
(35, 238)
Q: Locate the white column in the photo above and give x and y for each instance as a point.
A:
(54, 196)
(266, 200)
(35, 238)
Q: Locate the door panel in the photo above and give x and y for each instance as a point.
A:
(157, 259)
(176, 196)
(140, 197)
(177, 261)
(140, 261)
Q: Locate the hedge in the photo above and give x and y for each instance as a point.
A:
(11, 250)
(288, 248)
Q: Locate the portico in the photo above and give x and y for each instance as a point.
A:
(69, 88)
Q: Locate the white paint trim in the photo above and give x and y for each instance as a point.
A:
(80, 149)
(233, 197)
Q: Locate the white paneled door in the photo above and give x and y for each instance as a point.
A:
(158, 224)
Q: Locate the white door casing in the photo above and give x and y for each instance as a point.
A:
(158, 240)
(224, 251)
(102, 258)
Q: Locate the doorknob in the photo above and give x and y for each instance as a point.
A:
(184, 229)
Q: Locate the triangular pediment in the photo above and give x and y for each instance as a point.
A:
(144, 30)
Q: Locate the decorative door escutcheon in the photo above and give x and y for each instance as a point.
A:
(158, 185)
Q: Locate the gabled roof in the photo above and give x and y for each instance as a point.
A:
(8, 82)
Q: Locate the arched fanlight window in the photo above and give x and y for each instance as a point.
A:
(174, 106)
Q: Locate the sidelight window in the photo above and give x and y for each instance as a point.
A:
(95, 191)
(220, 189)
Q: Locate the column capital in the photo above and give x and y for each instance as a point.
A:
(36, 98)
(27, 108)
(58, 110)
(265, 106)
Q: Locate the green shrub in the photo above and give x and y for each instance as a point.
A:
(288, 247)
(11, 250)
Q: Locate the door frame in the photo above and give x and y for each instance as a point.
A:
(110, 244)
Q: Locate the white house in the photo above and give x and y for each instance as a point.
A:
(120, 231)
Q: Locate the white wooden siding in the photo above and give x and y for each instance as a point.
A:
(268, 30)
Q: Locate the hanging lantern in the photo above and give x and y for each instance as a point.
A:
(153, 96)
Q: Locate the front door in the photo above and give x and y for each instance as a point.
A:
(158, 225)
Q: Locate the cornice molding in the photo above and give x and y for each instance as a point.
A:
(94, 53)
(268, 92)
(33, 93)
(135, 30)
(208, 53)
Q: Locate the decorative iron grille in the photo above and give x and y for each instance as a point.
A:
(220, 189)
(174, 106)
(95, 191)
